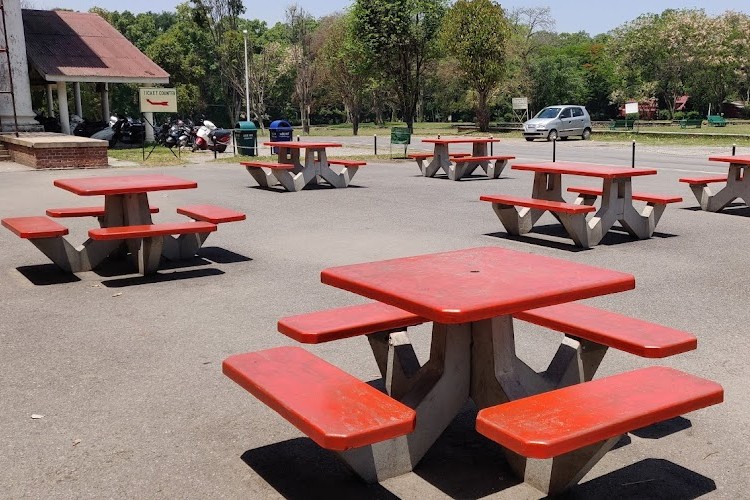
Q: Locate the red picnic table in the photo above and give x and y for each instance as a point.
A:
(737, 184)
(457, 166)
(294, 174)
(616, 202)
(472, 297)
(125, 218)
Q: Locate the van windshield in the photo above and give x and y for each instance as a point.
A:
(548, 113)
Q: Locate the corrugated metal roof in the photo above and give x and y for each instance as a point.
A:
(79, 46)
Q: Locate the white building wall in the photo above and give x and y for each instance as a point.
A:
(22, 88)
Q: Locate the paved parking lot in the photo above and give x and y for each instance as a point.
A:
(126, 370)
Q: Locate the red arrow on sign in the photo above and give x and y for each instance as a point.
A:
(157, 103)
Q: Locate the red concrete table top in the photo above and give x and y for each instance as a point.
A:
(302, 145)
(585, 169)
(466, 140)
(123, 184)
(476, 283)
(741, 160)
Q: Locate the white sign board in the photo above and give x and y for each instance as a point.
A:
(520, 103)
(158, 100)
(631, 108)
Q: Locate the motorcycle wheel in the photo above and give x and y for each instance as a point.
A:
(221, 148)
(194, 148)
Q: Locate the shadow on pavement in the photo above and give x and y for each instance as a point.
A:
(651, 478)
(553, 231)
(663, 429)
(732, 209)
(300, 469)
(47, 274)
(161, 277)
(222, 256)
(464, 464)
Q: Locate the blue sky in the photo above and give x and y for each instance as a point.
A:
(572, 15)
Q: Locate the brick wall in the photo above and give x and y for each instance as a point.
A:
(88, 157)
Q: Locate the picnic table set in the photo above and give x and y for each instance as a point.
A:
(124, 219)
(553, 425)
(294, 174)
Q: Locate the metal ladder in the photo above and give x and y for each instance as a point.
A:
(4, 49)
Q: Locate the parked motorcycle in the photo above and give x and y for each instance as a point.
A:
(209, 137)
(175, 133)
(50, 123)
(86, 128)
(123, 129)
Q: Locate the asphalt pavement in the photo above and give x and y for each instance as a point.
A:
(112, 384)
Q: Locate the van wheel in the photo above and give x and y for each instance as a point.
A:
(586, 134)
(552, 136)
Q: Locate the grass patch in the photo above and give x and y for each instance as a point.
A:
(160, 157)
(672, 139)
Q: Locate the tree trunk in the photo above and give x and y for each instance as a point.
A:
(355, 123)
(483, 112)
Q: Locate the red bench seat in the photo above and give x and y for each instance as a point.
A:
(84, 212)
(211, 213)
(348, 163)
(656, 199)
(34, 227)
(704, 180)
(150, 230)
(424, 156)
(468, 159)
(268, 164)
(611, 329)
(553, 423)
(345, 322)
(552, 206)
(334, 409)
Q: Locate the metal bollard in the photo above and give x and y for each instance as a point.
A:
(375, 143)
(734, 149)
(492, 149)
(554, 149)
(632, 157)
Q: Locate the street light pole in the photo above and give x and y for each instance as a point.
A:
(247, 82)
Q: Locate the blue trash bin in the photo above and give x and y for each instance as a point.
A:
(279, 130)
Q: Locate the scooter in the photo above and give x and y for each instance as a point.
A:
(209, 137)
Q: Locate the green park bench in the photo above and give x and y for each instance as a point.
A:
(716, 121)
(691, 123)
(624, 124)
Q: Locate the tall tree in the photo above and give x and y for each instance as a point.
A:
(475, 32)
(301, 26)
(400, 36)
(221, 19)
(345, 65)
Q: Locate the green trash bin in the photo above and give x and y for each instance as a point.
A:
(246, 137)
(400, 135)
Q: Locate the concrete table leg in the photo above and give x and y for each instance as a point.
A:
(738, 186)
(263, 176)
(439, 390)
(440, 160)
(493, 169)
(498, 376)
